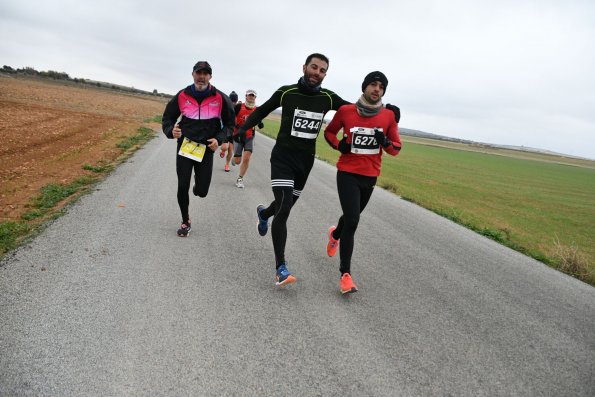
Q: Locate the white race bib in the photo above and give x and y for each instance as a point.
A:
(363, 141)
(306, 124)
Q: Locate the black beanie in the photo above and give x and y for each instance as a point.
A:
(375, 76)
(233, 96)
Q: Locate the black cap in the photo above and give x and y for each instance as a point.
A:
(202, 65)
(375, 76)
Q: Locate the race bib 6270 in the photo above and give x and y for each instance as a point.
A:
(363, 141)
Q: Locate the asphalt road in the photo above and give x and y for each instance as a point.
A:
(108, 301)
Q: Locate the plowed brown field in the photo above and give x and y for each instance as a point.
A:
(50, 129)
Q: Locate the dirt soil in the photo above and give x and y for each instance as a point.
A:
(50, 129)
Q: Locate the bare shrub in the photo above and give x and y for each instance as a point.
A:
(571, 261)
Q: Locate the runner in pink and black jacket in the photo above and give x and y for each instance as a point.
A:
(207, 118)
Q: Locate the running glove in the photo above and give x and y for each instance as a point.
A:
(344, 147)
(395, 110)
(381, 138)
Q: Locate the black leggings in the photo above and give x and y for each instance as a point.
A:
(280, 209)
(289, 173)
(202, 178)
(354, 193)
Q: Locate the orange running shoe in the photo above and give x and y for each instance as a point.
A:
(333, 244)
(226, 168)
(347, 284)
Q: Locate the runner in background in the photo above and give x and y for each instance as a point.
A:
(368, 130)
(244, 145)
(228, 145)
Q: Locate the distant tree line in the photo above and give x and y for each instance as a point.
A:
(50, 74)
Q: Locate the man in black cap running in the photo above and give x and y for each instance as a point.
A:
(207, 118)
(368, 131)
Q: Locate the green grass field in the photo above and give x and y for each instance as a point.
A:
(537, 206)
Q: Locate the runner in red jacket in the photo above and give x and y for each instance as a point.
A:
(368, 130)
(244, 144)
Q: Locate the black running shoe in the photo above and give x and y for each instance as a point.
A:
(184, 229)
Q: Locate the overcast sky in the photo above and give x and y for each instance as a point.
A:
(507, 72)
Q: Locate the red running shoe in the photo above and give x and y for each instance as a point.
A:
(347, 284)
(333, 244)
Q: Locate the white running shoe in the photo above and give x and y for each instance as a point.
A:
(240, 183)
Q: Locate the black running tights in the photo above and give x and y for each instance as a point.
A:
(354, 193)
(202, 178)
(280, 209)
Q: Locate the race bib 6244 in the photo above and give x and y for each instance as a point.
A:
(306, 124)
